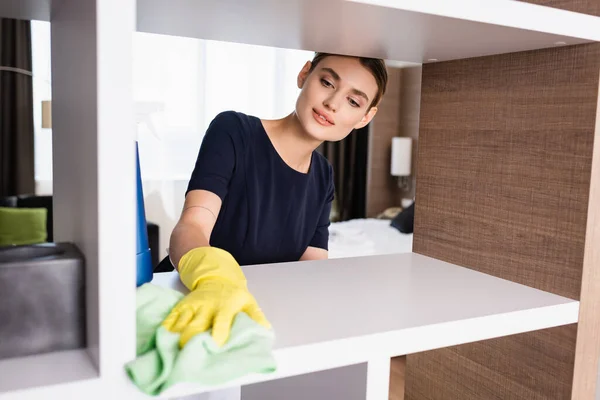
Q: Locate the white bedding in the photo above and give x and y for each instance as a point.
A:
(361, 237)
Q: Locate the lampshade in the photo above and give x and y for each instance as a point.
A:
(401, 156)
(47, 114)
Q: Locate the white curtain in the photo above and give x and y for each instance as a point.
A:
(42, 90)
(180, 85)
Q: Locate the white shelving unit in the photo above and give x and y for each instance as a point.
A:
(368, 309)
(403, 30)
(94, 168)
(94, 192)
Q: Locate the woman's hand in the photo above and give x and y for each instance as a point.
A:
(218, 292)
(214, 303)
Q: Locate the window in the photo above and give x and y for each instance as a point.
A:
(40, 49)
(191, 81)
(180, 85)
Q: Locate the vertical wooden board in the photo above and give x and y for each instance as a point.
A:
(382, 187)
(410, 104)
(504, 164)
(486, 369)
(398, 115)
(588, 345)
(503, 178)
(397, 378)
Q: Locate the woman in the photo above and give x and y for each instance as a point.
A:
(261, 193)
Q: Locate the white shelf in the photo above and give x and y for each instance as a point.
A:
(340, 312)
(402, 30)
(63, 371)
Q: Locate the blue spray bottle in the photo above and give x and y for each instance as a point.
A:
(143, 258)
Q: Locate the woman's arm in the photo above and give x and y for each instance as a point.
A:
(317, 247)
(314, 253)
(218, 289)
(208, 185)
(195, 225)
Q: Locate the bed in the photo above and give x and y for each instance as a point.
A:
(362, 237)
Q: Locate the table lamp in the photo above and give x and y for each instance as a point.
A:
(47, 114)
(401, 160)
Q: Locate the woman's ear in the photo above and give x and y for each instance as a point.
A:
(304, 74)
(367, 118)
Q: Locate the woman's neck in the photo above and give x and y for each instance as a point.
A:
(291, 141)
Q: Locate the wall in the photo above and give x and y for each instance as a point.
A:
(398, 115)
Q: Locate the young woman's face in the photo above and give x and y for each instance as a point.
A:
(335, 97)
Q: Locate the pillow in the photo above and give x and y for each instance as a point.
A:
(405, 220)
(9, 201)
(19, 226)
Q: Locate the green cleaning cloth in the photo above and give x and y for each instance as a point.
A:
(160, 363)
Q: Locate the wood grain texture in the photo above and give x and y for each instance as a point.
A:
(397, 378)
(398, 115)
(410, 105)
(504, 161)
(487, 369)
(382, 187)
(588, 346)
(591, 7)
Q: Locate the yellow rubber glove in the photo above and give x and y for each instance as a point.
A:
(218, 292)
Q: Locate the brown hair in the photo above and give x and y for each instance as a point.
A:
(375, 65)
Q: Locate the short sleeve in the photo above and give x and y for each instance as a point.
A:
(321, 237)
(217, 156)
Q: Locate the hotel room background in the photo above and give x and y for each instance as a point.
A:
(179, 86)
(521, 217)
(365, 187)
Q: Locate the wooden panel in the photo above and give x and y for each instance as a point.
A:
(398, 115)
(529, 366)
(588, 345)
(504, 163)
(382, 187)
(397, 378)
(582, 6)
(410, 105)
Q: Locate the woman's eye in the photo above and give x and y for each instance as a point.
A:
(353, 103)
(326, 83)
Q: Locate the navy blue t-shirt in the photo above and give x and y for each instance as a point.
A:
(270, 212)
